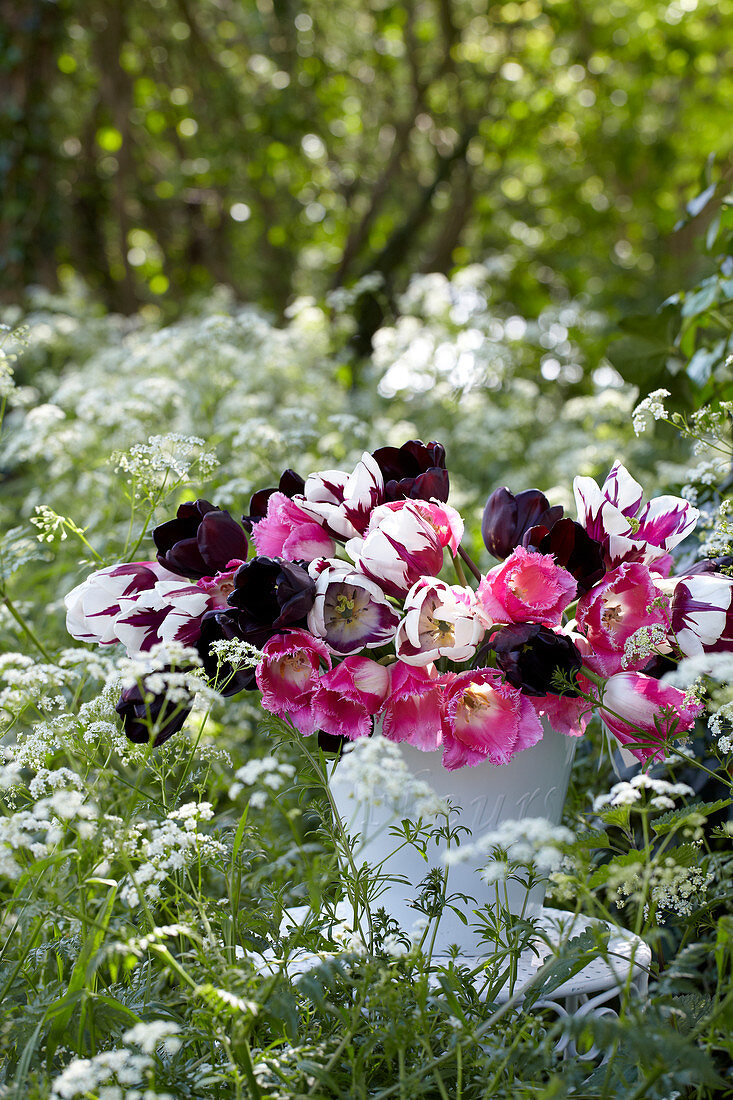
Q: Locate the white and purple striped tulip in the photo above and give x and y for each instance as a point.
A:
(398, 549)
(343, 503)
(94, 605)
(613, 515)
(701, 605)
(169, 612)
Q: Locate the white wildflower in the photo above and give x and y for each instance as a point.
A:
(268, 771)
(151, 464)
(236, 653)
(85, 1075)
(629, 792)
(160, 848)
(530, 841)
(719, 666)
(153, 1034)
(644, 642)
(392, 945)
(373, 771)
(651, 406)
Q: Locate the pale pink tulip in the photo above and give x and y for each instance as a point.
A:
(440, 621)
(486, 719)
(413, 710)
(288, 676)
(526, 588)
(349, 696)
(644, 714)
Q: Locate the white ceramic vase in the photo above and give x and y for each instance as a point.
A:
(533, 785)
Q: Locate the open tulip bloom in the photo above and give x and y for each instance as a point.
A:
(356, 600)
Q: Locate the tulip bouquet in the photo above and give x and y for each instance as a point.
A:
(346, 605)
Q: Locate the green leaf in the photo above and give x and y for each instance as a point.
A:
(672, 820)
(601, 875)
(61, 1010)
(592, 839)
(576, 954)
(701, 299)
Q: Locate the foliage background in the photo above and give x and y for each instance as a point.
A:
(162, 146)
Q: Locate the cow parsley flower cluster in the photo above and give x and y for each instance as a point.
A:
(531, 841)
(270, 773)
(721, 726)
(652, 406)
(643, 644)
(128, 1068)
(165, 457)
(39, 829)
(374, 771)
(159, 849)
(667, 885)
(631, 792)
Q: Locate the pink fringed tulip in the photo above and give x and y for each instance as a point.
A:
(286, 531)
(399, 547)
(566, 713)
(288, 676)
(527, 587)
(440, 621)
(348, 696)
(623, 602)
(612, 514)
(644, 714)
(221, 585)
(486, 719)
(414, 707)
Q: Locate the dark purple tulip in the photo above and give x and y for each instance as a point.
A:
(572, 548)
(140, 718)
(508, 517)
(200, 541)
(269, 597)
(529, 654)
(414, 471)
(711, 565)
(220, 626)
(270, 592)
(291, 484)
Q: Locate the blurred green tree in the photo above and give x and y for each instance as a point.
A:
(284, 148)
